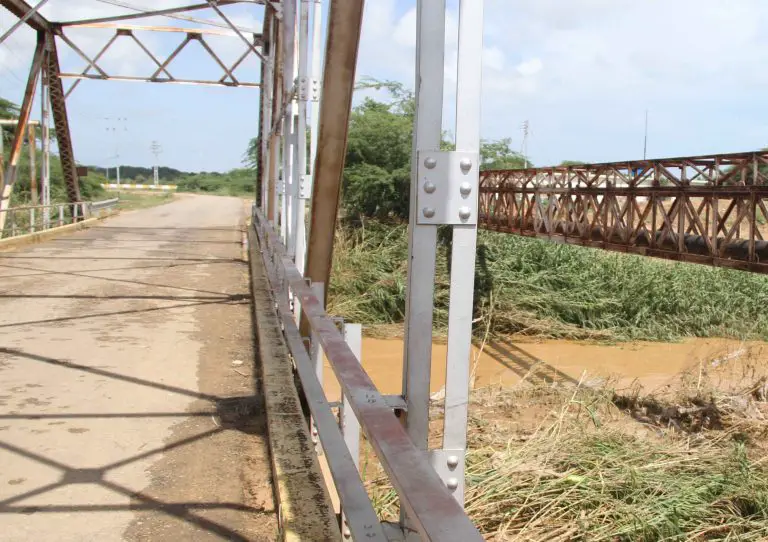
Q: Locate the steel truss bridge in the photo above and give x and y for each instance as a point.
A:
(701, 209)
(305, 94)
(705, 209)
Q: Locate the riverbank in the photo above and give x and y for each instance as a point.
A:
(673, 446)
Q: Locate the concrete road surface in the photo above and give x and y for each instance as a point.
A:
(127, 405)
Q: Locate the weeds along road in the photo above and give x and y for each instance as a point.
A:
(127, 407)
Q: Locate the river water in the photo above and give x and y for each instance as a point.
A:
(505, 362)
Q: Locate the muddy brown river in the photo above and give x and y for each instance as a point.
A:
(506, 362)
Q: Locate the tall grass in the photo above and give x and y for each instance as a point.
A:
(532, 287)
(587, 473)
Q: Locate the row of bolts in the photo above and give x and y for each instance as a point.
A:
(465, 188)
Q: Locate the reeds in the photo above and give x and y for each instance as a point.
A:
(532, 287)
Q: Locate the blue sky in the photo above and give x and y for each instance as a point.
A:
(582, 72)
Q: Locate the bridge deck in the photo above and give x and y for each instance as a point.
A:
(122, 414)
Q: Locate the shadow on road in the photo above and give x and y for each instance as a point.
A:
(229, 413)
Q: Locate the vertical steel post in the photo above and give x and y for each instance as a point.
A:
(277, 112)
(350, 426)
(266, 97)
(468, 94)
(422, 239)
(31, 220)
(289, 78)
(343, 24)
(45, 133)
(316, 353)
(314, 118)
(301, 192)
(422, 242)
(32, 144)
(61, 215)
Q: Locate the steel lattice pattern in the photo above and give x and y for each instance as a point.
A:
(704, 209)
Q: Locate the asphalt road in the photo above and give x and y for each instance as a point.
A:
(127, 405)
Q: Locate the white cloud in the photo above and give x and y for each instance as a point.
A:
(583, 71)
(530, 67)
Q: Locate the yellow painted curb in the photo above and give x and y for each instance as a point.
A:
(305, 511)
(38, 237)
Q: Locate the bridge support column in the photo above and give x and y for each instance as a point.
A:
(61, 121)
(450, 201)
(290, 169)
(9, 179)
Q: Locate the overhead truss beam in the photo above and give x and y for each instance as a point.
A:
(162, 73)
(170, 12)
(21, 9)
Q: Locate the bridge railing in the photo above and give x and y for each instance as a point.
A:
(28, 219)
(434, 512)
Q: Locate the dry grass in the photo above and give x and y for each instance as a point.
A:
(579, 463)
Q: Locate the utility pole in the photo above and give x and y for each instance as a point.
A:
(156, 150)
(645, 140)
(524, 149)
(112, 127)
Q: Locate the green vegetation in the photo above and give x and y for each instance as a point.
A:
(532, 287)
(90, 186)
(377, 172)
(237, 182)
(523, 286)
(132, 200)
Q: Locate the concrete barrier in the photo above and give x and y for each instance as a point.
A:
(153, 187)
(38, 237)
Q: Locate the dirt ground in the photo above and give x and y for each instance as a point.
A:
(129, 409)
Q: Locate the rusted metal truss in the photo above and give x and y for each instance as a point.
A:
(704, 209)
(162, 72)
(61, 120)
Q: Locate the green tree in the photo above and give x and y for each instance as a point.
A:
(377, 173)
(251, 156)
(8, 110)
(499, 155)
(566, 163)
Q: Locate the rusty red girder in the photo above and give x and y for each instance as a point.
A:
(703, 209)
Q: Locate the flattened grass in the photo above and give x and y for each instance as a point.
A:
(533, 287)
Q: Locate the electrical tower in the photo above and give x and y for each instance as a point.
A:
(156, 150)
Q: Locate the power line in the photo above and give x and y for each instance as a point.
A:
(13, 53)
(125, 5)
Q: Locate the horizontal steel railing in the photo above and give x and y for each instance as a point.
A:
(433, 511)
(28, 219)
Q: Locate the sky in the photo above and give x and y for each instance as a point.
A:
(583, 73)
